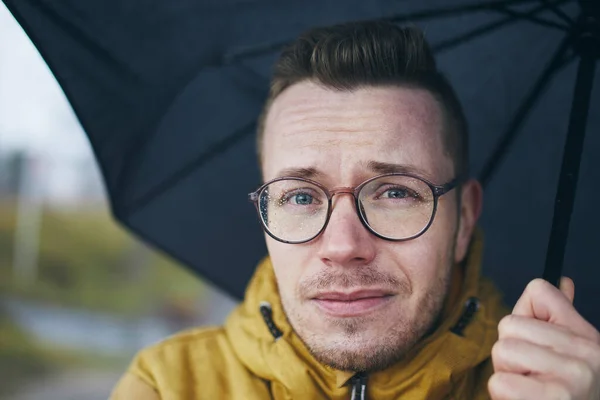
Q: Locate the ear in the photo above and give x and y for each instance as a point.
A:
(470, 210)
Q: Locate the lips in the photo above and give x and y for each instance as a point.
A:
(340, 304)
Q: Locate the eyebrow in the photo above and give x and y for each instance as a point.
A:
(389, 168)
(306, 173)
(376, 167)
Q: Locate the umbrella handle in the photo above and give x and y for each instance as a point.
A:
(567, 186)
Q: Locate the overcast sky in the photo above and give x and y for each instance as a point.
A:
(36, 116)
(34, 112)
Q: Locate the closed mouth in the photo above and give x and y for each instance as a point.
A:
(352, 304)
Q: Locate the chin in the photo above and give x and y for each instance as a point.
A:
(363, 350)
(365, 343)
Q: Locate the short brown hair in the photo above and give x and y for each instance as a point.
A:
(370, 53)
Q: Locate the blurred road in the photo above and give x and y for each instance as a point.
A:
(84, 385)
(101, 333)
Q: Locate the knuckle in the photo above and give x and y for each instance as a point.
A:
(580, 372)
(579, 344)
(505, 324)
(594, 357)
(496, 385)
(558, 392)
(501, 349)
(497, 350)
(589, 349)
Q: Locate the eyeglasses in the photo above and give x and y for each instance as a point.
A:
(395, 206)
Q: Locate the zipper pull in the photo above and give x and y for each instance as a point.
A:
(359, 386)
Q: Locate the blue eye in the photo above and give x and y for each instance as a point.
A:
(397, 194)
(302, 199)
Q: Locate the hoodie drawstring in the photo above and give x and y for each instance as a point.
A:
(267, 313)
(470, 308)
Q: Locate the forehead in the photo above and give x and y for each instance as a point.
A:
(340, 132)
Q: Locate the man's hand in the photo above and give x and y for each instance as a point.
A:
(545, 349)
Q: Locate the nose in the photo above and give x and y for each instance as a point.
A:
(345, 241)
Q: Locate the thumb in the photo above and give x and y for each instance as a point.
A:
(567, 287)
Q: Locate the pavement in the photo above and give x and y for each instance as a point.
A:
(79, 385)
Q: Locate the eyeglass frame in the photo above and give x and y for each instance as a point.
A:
(437, 190)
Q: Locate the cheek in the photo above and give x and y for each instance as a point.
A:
(287, 263)
(423, 260)
(418, 260)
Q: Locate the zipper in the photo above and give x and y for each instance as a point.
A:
(359, 386)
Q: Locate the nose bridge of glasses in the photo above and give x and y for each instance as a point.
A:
(342, 190)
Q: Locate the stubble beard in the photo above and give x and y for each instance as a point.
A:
(353, 350)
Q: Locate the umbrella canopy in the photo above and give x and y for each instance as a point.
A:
(169, 94)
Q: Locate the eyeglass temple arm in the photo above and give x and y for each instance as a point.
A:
(440, 190)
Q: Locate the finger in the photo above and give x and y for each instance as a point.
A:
(522, 357)
(567, 287)
(545, 302)
(558, 338)
(508, 386)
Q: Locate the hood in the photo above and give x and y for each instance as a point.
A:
(265, 343)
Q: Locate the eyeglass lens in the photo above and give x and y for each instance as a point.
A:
(395, 206)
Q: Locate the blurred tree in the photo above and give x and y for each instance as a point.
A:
(11, 172)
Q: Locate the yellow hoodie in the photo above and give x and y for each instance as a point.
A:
(244, 360)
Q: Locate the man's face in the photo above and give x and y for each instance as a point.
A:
(339, 134)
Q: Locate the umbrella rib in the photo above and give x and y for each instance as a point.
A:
(556, 63)
(532, 18)
(81, 36)
(460, 9)
(456, 41)
(251, 51)
(558, 12)
(218, 148)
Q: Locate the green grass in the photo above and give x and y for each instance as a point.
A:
(87, 261)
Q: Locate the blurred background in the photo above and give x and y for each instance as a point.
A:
(79, 296)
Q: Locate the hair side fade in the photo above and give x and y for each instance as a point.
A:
(370, 53)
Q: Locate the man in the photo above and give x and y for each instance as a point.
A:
(372, 285)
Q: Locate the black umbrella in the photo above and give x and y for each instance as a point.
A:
(169, 93)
